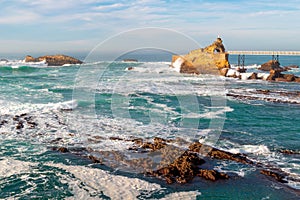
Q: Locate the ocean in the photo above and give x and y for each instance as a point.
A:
(82, 107)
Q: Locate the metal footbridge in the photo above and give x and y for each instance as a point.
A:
(279, 53)
(275, 54)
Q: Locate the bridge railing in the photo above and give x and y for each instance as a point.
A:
(280, 53)
(275, 55)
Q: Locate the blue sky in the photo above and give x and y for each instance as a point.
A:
(58, 26)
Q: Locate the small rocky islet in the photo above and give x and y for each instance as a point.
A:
(54, 60)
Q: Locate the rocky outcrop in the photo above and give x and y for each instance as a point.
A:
(54, 60)
(130, 60)
(184, 164)
(209, 60)
(276, 75)
(271, 65)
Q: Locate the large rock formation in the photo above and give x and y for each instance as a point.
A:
(209, 60)
(54, 60)
(271, 65)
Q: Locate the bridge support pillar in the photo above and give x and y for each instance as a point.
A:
(275, 57)
(241, 61)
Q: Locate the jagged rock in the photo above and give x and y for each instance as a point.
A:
(274, 74)
(271, 65)
(55, 60)
(212, 175)
(159, 143)
(182, 170)
(62, 149)
(218, 154)
(95, 159)
(290, 152)
(253, 76)
(275, 175)
(289, 77)
(208, 60)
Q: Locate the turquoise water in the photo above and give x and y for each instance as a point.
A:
(70, 106)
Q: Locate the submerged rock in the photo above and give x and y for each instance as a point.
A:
(277, 176)
(54, 60)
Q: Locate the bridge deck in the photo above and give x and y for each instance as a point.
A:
(288, 53)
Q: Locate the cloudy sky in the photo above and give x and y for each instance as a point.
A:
(31, 26)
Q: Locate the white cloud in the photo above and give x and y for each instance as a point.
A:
(110, 6)
(19, 17)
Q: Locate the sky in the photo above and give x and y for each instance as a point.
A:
(62, 26)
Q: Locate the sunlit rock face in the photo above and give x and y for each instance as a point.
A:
(209, 60)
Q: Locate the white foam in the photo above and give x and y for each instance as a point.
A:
(294, 184)
(217, 113)
(263, 76)
(114, 186)
(177, 64)
(17, 63)
(16, 108)
(183, 195)
(11, 167)
(245, 76)
(253, 149)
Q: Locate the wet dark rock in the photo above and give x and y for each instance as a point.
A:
(289, 77)
(241, 70)
(218, 154)
(182, 166)
(115, 138)
(95, 159)
(159, 143)
(3, 122)
(30, 122)
(182, 170)
(137, 141)
(253, 76)
(20, 125)
(212, 175)
(290, 152)
(56, 140)
(274, 74)
(263, 91)
(63, 149)
(271, 65)
(275, 175)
